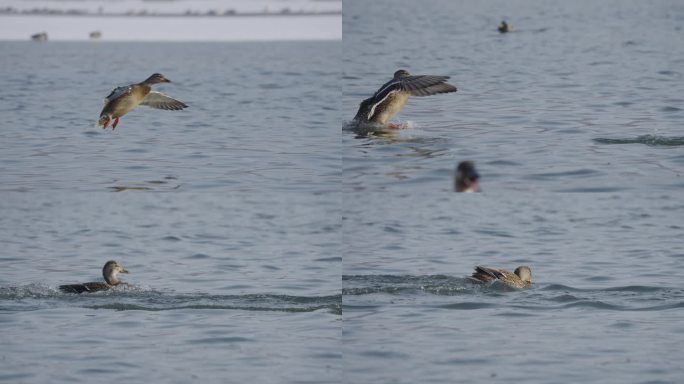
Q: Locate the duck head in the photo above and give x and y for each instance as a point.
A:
(156, 79)
(466, 177)
(503, 27)
(524, 273)
(401, 73)
(110, 272)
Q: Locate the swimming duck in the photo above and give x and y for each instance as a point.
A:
(521, 278)
(392, 96)
(503, 27)
(110, 272)
(466, 177)
(124, 99)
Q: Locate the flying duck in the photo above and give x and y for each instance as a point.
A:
(392, 96)
(466, 177)
(521, 278)
(110, 272)
(124, 99)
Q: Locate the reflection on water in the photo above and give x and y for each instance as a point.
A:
(366, 130)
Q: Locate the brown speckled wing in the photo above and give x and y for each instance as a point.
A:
(161, 101)
(486, 274)
(117, 92)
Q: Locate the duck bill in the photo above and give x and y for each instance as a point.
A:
(123, 271)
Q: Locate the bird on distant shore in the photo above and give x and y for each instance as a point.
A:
(393, 95)
(520, 278)
(124, 99)
(466, 177)
(109, 272)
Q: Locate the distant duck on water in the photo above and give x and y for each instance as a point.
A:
(466, 178)
(393, 95)
(503, 27)
(124, 99)
(109, 272)
(42, 36)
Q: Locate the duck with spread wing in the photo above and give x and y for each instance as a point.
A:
(124, 99)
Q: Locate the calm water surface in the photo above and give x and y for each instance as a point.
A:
(583, 97)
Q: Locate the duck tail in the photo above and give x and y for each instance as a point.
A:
(486, 274)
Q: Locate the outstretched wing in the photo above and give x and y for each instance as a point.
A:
(426, 85)
(161, 101)
(116, 93)
(421, 85)
(434, 89)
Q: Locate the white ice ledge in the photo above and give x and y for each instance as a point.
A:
(256, 28)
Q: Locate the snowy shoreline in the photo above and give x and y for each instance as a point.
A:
(58, 13)
(177, 28)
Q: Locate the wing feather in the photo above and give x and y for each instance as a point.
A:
(117, 92)
(487, 274)
(426, 85)
(421, 85)
(161, 101)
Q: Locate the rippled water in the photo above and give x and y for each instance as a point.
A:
(226, 214)
(605, 306)
(583, 97)
(246, 127)
(214, 285)
(535, 108)
(262, 248)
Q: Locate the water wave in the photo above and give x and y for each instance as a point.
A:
(651, 140)
(133, 298)
(538, 297)
(398, 284)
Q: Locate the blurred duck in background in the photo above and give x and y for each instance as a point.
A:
(466, 177)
